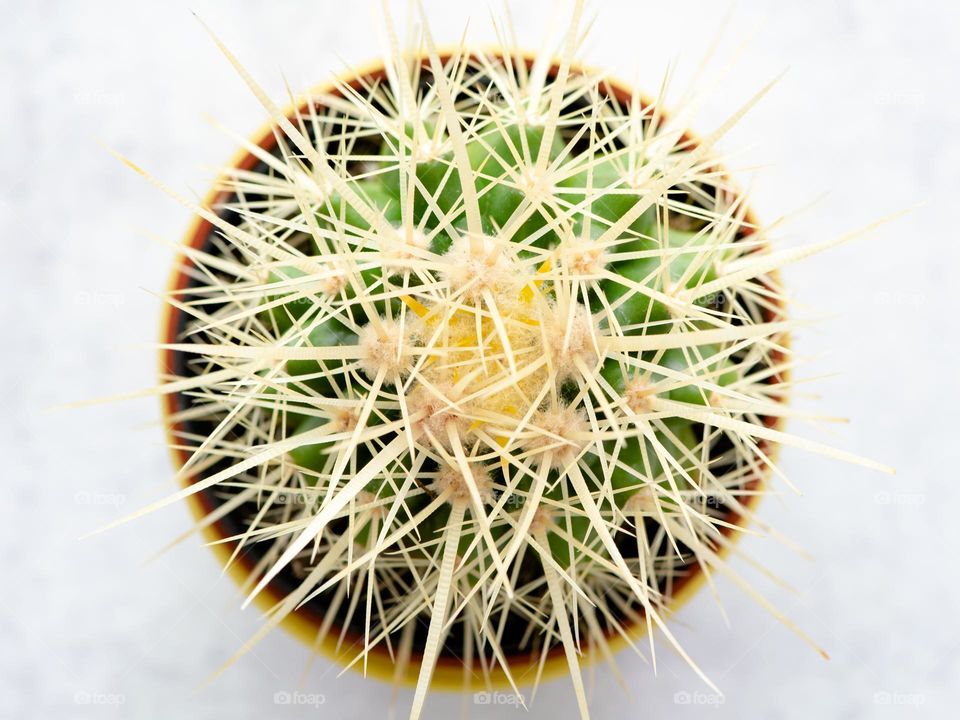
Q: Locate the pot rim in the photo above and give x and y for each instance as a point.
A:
(449, 675)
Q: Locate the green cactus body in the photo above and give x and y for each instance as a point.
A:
(505, 335)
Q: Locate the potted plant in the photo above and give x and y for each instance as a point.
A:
(474, 363)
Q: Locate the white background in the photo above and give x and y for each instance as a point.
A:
(864, 123)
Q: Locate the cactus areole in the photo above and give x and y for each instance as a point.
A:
(477, 368)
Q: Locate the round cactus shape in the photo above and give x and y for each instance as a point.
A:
(478, 356)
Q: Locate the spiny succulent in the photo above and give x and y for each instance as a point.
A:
(485, 357)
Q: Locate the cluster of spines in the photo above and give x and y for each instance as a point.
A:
(482, 344)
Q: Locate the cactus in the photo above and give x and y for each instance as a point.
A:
(484, 345)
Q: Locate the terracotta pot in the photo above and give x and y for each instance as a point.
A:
(304, 623)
